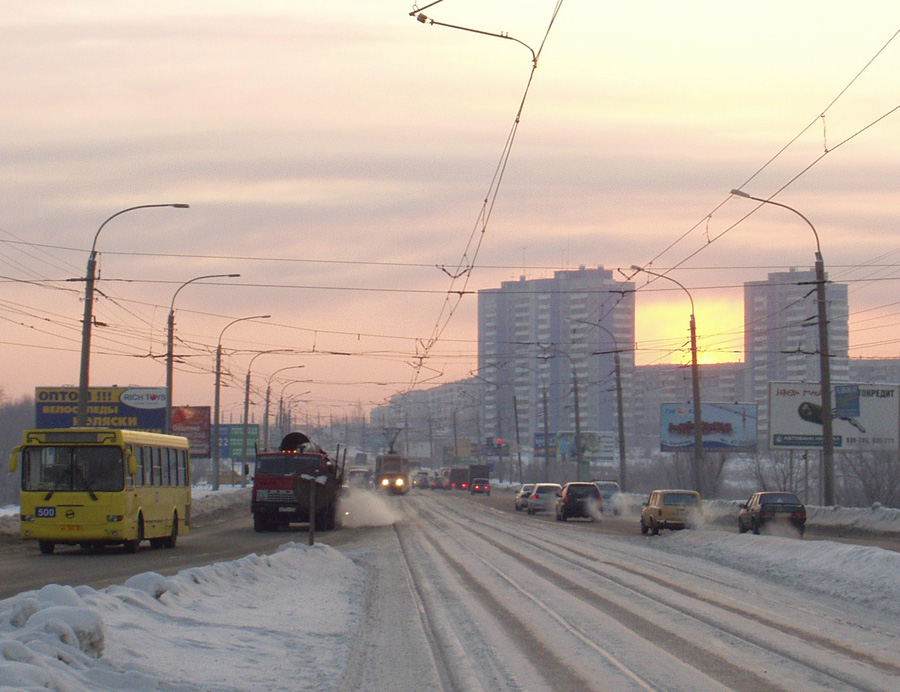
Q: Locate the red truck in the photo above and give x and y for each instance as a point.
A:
(281, 486)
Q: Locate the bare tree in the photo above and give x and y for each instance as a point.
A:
(15, 417)
(870, 476)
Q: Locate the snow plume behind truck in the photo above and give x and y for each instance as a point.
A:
(281, 485)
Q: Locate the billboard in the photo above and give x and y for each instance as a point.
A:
(133, 408)
(726, 427)
(193, 422)
(596, 447)
(866, 416)
(231, 440)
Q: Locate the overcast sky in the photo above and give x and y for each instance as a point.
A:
(337, 155)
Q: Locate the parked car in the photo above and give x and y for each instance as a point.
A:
(671, 509)
(767, 507)
(522, 495)
(579, 500)
(480, 485)
(608, 491)
(543, 497)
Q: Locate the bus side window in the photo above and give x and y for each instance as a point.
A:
(164, 466)
(157, 466)
(139, 472)
(148, 465)
(182, 468)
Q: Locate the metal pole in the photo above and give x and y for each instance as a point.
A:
(546, 438)
(83, 386)
(699, 475)
(623, 466)
(825, 376)
(579, 455)
(215, 440)
(518, 441)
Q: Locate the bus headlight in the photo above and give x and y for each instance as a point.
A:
(385, 481)
(398, 482)
(112, 518)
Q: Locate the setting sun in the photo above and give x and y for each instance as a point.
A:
(662, 328)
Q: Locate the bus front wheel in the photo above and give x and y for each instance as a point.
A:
(131, 546)
(46, 547)
(170, 540)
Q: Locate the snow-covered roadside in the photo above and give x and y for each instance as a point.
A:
(282, 621)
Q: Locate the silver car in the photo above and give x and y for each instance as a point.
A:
(522, 495)
(543, 497)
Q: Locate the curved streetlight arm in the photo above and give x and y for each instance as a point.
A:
(741, 193)
(198, 278)
(428, 20)
(674, 281)
(139, 206)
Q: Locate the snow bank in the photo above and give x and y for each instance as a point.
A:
(280, 621)
(864, 575)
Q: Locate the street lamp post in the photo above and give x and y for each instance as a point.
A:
(698, 465)
(828, 497)
(215, 440)
(268, 396)
(579, 452)
(170, 343)
(90, 277)
(247, 412)
(620, 406)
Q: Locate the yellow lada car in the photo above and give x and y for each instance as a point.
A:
(671, 509)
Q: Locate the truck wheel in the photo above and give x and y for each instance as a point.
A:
(260, 524)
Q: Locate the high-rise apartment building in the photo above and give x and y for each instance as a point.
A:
(781, 336)
(541, 341)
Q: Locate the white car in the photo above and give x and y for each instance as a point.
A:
(522, 495)
(543, 497)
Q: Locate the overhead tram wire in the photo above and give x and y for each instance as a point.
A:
(463, 270)
(826, 150)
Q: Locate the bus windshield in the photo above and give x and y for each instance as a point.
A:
(73, 469)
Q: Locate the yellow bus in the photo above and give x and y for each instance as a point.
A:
(100, 486)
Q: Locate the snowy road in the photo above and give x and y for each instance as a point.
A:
(492, 601)
(443, 592)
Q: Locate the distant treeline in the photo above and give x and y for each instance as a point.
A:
(15, 417)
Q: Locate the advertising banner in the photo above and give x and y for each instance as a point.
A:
(539, 445)
(193, 422)
(596, 447)
(726, 427)
(231, 440)
(132, 408)
(866, 416)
